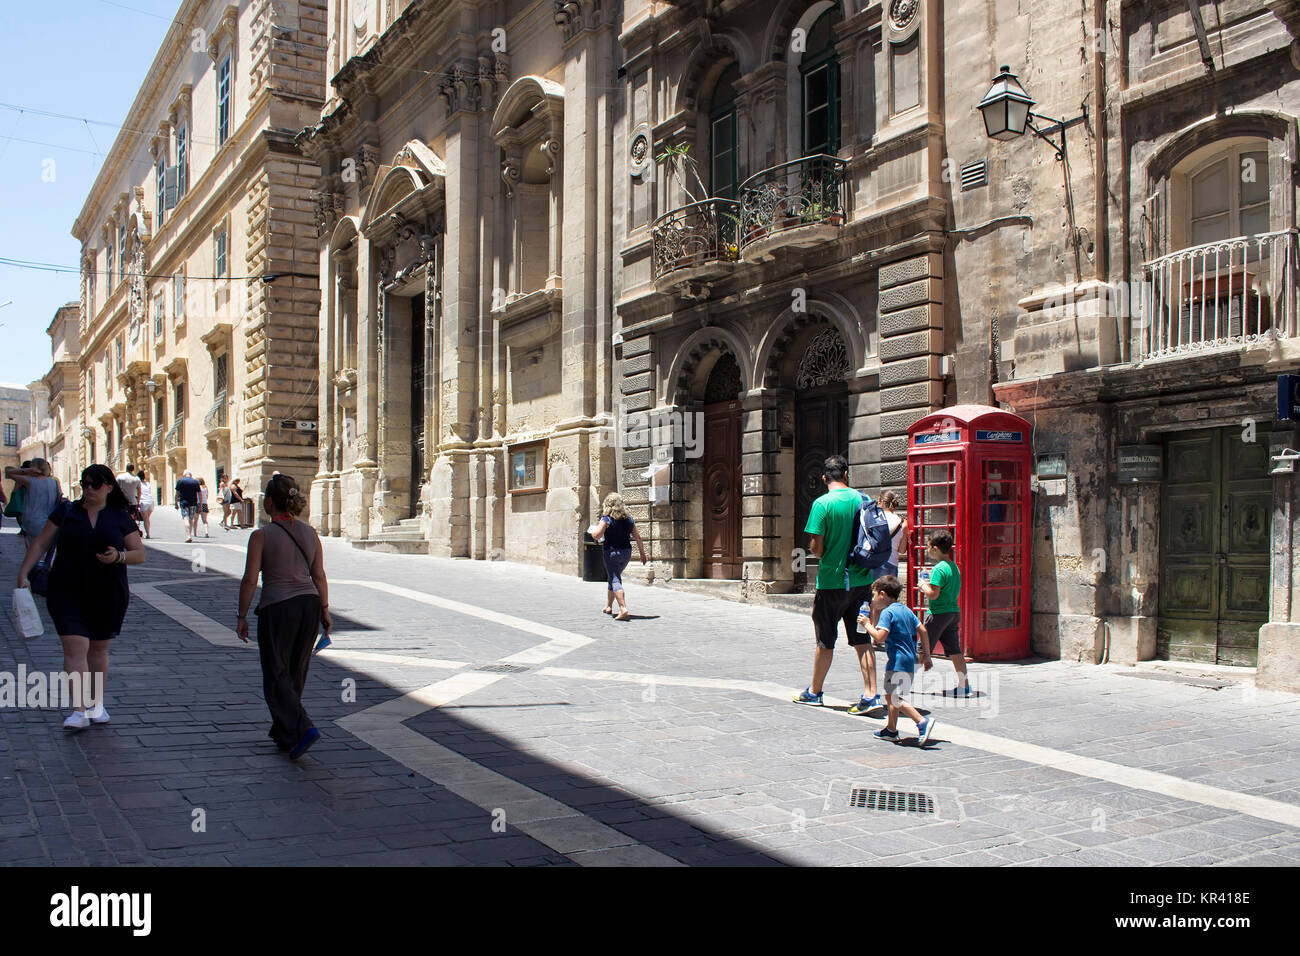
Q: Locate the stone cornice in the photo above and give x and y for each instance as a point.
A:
(174, 46)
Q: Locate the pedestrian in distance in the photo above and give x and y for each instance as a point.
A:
(88, 592)
(187, 500)
(203, 507)
(615, 531)
(897, 531)
(14, 504)
(294, 604)
(147, 502)
(223, 492)
(41, 495)
(236, 503)
(942, 590)
(892, 621)
(130, 486)
(842, 586)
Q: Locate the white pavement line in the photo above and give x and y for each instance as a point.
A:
(548, 821)
(1138, 779)
(342, 653)
(187, 617)
(559, 642)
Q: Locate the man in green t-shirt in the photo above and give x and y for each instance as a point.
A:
(841, 591)
(942, 592)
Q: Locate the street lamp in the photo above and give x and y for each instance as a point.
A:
(1005, 107)
(1008, 111)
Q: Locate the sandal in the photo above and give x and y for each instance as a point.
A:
(607, 610)
(623, 615)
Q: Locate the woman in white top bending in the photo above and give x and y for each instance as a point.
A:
(897, 531)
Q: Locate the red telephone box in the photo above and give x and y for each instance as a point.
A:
(968, 474)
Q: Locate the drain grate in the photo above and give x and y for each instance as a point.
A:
(898, 801)
(502, 668)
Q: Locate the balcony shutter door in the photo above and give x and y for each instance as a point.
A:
(1153, 226)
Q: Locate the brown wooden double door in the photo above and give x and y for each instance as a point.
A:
(821, 429)
(1215, 509)
(722, 473)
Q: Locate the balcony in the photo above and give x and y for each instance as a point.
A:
(115, 462)
(175, 442)
(797, 204)
(215, 429)
(695, 242)
(1229, 293)
(154, 449)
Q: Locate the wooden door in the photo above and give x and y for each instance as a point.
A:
(1214, 537)
(417, 402)
(821, 429)
(722, 490)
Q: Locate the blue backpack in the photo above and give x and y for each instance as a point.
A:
(871, 547)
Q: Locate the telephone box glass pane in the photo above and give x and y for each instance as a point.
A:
(1001, 620)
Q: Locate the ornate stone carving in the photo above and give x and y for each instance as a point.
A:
(825, 361)
(902, 13)
(511, 174)
(367, 163)
(575, 16)
(475, 84)
(551, 148)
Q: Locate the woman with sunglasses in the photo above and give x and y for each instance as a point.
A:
(88, 594)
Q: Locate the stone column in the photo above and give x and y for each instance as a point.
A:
(765, 567)
(1279, 639)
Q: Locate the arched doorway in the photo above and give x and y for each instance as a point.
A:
(821, 424)
(721, 540)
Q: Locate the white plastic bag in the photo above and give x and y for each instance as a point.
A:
(26, 618)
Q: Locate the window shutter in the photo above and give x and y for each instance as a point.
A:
(1153, 226)
(171, 186)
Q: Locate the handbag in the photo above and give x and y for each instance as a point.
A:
(39, 579)
(15, 507)
(26, 618)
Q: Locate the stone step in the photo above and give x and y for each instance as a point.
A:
(392, 545)
(725, 588)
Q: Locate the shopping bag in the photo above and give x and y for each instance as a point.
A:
(26, 618)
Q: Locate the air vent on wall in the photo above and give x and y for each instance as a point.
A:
(974, 174)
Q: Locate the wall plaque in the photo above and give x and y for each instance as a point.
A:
(1140, 462)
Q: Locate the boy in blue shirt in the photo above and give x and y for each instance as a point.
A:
(895, 624)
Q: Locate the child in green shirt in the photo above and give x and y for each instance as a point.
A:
(942, 590)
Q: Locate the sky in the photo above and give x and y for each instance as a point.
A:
(85, 59)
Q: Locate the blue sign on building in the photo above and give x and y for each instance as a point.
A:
(936, 437)
(999, 436)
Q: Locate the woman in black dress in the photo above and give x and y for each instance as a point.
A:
(88, 594)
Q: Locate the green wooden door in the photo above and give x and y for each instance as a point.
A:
(1214, 538)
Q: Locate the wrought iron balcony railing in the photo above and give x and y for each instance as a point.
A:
(809, 191)
(176, 434)
(700, 234)
(155, 446)
(1232, 292)
(216, 416)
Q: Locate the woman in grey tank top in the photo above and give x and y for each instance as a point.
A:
(43, 493)
(287, 554)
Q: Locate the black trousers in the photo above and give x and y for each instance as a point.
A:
(286, 634)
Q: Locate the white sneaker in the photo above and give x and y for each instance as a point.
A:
(97, 714)
(77, 720)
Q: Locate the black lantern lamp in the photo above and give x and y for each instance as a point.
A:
(1006, 107)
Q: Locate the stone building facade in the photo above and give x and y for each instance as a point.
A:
(199, 290)
(56, 401)
(784, 291)
(465, 224)
(1157, 335)
(15, 422)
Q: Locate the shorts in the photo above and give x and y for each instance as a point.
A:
(944, 631)
(887, 570)
(616, 560)
(189, 511)
(832, 607)
(898, 683)
(203, 508)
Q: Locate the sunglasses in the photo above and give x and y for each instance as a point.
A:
(93, 485)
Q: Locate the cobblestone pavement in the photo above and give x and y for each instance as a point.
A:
(488, 713)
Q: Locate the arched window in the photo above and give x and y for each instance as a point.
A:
(724, 165)
(819, 74)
